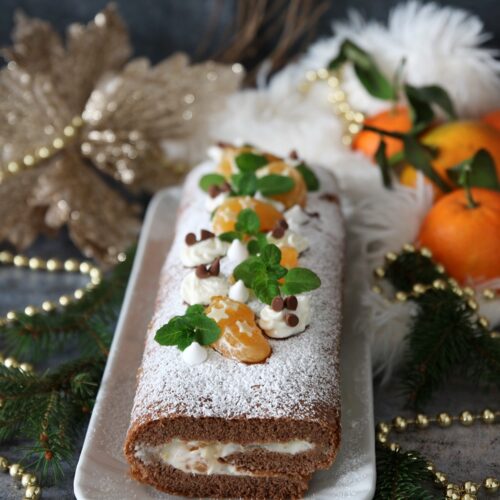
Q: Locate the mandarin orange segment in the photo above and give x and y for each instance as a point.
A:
(241, 339)
(289, 257)
(298, 194)
(226, 214)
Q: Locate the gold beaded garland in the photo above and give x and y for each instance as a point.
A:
(467, 490)
(28, 481)
(51, 265)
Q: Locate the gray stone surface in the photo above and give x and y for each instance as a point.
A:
(463, 453)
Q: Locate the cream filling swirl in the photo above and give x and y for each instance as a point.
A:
(273, 322)
(196, 290)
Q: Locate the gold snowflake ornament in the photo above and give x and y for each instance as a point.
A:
(79, 120)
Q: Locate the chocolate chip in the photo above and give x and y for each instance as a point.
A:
(206, 235)
(224, 145)
(294, 155)
(332, 198)
(283, 223)
(291, 303)
(214, 191)
(190, 239)
(226, 187)
(214, 269)
(277, 304)
(278, 232)
(291, 319)
(202, 272)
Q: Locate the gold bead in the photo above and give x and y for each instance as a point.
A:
(78, 294)
(35, 263)
(346, 140)
(95, 275)
(391, 256)
(32, 492)
(26, 367)
(419, 289)
(495, 335)
(69, 131)
(376, 289)
(466, 418)
(333, 81)
(382, 437)
(487, 416)
(54, 265)
(311, 76)
(430, 467)
(439, 284)
(472, 304)
(6, 257)
(28, 479)
(401, 296)
(441, 477)
(399, 424)
(4, 464)
(468, 496)
(491, 484)
(30, 310)
(384, 427)
(421, 421)
(11, 363)
(408, 247)
(458, 291)
(469, 291)
(13, 167)
(121, 257)
(43, 152)
(426, 252)
(48, 306)
(483, 322)
(489, 294)
(379, 272)
(394, 447)
(471, 487)
(21, 261)
(64, 300)
(58, 143)
(85, 267)
(453, 494)
(77, 121)
(353, 128)
(444, 420)
(16, 471)
(71, 265)
(323, 73)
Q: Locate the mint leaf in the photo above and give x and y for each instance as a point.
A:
(255, 246)
(277, 271)
(205, 329)
(248, 269)
(248, 222)
(250, 162)
(310, 178)
(271, 254)
(211, 180)
(482, 171)
(195, 309)
(265, 288)
(244, 183)
(229, 236)
(274, 184)
(383, 163)
(300, 280)
(173, 332)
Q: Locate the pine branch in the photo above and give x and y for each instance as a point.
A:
(444, 337)
(402, 475)
(86, 324)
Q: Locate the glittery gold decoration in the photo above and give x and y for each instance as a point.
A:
(72, 109)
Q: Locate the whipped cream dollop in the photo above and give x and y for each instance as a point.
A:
(203, 252)
(274, 323)
(194, 354)
(296, 217)
(213, 203)
(239, 292)
(290, 239)
(237, 252)
(196, 290)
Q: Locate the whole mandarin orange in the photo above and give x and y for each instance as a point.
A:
(455, 142)
(226, 214)
(465, 240)
(492, 119)
(298, 194)
(392, 120)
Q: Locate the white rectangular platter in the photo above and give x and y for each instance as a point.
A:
(102, 472)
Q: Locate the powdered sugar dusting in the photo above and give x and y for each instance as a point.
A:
(299, 378)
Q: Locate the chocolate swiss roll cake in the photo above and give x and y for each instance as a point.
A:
(238, 391)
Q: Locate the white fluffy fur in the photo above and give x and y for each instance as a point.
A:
(441, 45)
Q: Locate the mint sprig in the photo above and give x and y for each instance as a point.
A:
(263, 271)
(247, 184)
(247, 225)
(194, 326)
(250, 162)
(310, 178)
